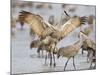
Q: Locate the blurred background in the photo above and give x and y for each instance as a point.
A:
(53, 13)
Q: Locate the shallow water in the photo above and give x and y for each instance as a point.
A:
(25, 60)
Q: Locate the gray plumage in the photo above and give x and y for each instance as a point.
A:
(70, 52)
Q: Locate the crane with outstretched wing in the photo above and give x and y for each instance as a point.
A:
(50, 35)
(42, 28)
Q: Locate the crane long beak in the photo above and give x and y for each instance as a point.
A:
(66, 13)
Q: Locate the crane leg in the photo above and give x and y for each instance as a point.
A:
(74, 63)
(88, 57)
(91, 65)
(54, 60)
(66, 63)
(45, 58)
(82, 51)
(50, 59)
(42, 53)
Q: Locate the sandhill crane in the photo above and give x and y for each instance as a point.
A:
(88, 42)
(90, 46)
(87, 32)
(92, 57)
(50, 49)
(48, 45)
(71, 50)
(43, 29)
(39, 45)
(85, 47)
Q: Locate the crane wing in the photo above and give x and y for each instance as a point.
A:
(71, 25)
(42, 28)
